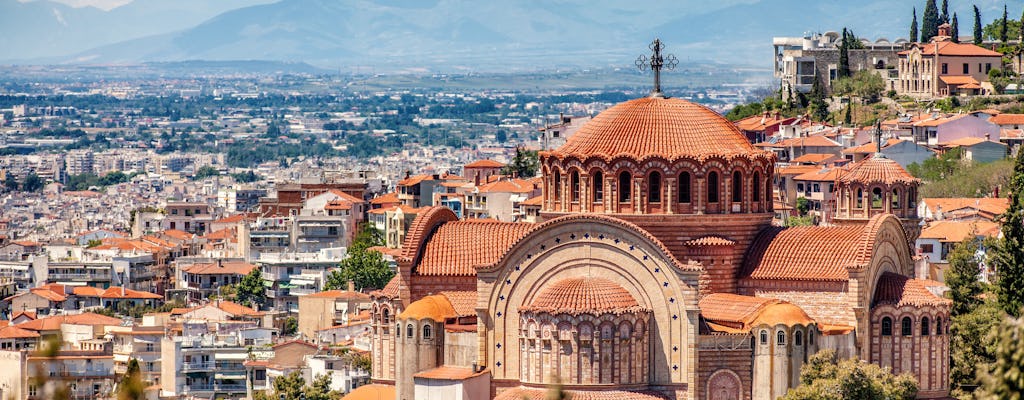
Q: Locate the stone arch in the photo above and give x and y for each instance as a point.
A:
(612, 249)
(724, 384)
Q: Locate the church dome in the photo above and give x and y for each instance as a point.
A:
(878, 169)
(584, 295)
(657, 126)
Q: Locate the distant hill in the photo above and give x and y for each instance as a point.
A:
(392, 35)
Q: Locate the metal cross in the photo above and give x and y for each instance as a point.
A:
(656, 63)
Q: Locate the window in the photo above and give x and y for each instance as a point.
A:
(988, 67)
(945, 68)
(780, 338)
(426, 331)
(684, 187)
(876, 198)
(860, 198)
(938, 326)
(927, 248)
(810, 338)
(764, 337)
(895, 199)
(800, 187)
(737, 187)
(798, 338)
(908, 327)
(625, 187)
(966, 69)
(409, 331)
(816, 188)
(574, 182)
(925, 327)
(558, 185)
(598, 187)
(386, 316)
(757, 186)
(768, 191)
(886, 326)
(398, 330)
(149, 347)
(654, 187)
(713, 187)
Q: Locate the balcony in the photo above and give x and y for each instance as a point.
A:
(302, 291)
(83, 373)
(224, 387)
(195, 366)
(79, 276)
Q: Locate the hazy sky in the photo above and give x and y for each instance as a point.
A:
(101, 4)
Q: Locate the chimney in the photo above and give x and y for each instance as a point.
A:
(351, 286)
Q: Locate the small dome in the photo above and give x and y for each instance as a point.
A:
(584, 295)
(782, 313)
(878, 169)
(660, 127)
(435, 307)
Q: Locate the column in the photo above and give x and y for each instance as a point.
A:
(585, 193)
(695, 194)
(669, 189)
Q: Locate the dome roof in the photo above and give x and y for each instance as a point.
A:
(584, 295)
(656, 126)
(878, 169)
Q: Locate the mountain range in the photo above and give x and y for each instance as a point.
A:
(387, 35)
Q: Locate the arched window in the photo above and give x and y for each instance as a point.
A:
(426, 331)
(737, 187)
(911, 197)
(798, 338)
(886, 326)
(810, 338)
(654, 187)
(712, 187)
(558, 185)
(598, 187)
(574, 183)
(386, 316)
(925, 328)
(768, 192)
(860, 198)
(764, 337)
(908, 327)
(625, 187)
(398, 330)
(757, 186)
(895, 199)
(684, 187)
(938, 326)
(780, 338)
(409, 331)
(876, 198)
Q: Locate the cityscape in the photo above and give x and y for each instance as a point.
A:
(280, 199)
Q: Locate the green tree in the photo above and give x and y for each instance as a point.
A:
(844, 55)
(366, 236)
(365, 268)
(913, 27)
(944, 15)
(290, 386)
(817, 106)
(10, 182)
(250, 290)
(32, 183)
(825, 377)
(204, 172)
(320, 389)
(971, 347)
(1005, 377)
(978, 38)
(131, 386)
(993, 30)
(954, 30)
(524, 164)
(802, 205)
(1004, 27)
(930, 22)
(93, 243)
(962, 278)
(291, 325)
(1009, 254)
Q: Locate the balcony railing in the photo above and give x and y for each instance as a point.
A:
(224, 387)
(211, 365)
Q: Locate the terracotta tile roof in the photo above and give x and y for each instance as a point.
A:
(965, 142)
(338, 205)
(956, 231)
(339, 294)
(796, 169)
(115, 292)
(991, 205)
(374, 391)
(484, 164)
(876, 169)
(709, 241)
(178, 234)
(435, 307)
(345, 196)
(48, 294)
(658, 127)
(584, 295)
(948, 48)
(54, 323)
(390, 290)
(814, 158)
(958, 80)
(449, 373)
(507, 186)
(88, 291)
(463, 301)
(414, 180)
(942, 119)
(226, 233)
(899, 291)
(237, 309)
(225, 267)
(455, 249)
(760, 122)
(824, 174)
(533, 201)
(1007, 119)
(870, 147)
(736, 313)
(386, 198)
(597, 394)
(385, 250)
(231, 219)
(13, 332)
(806, 141)
(1011, 133)
(811, 253)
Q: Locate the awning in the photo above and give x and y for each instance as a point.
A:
(296, 281)
(958, 79)
(231, 356)
(230, 375)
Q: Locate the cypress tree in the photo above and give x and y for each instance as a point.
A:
(913, 27)
(977, 26)
(944, 16)
(1009, 255)
(930, 22)
(1021, 33)
(844, 55)
(954, 30)
(1003, 30)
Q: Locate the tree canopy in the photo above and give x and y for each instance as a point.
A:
(524, 164)
(1009, 255)
(364, 267)
(825, 377)
(930, 22)
(250, 290)
(1005, 377)
(204, 172)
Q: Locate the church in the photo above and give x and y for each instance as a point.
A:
(657, 274)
